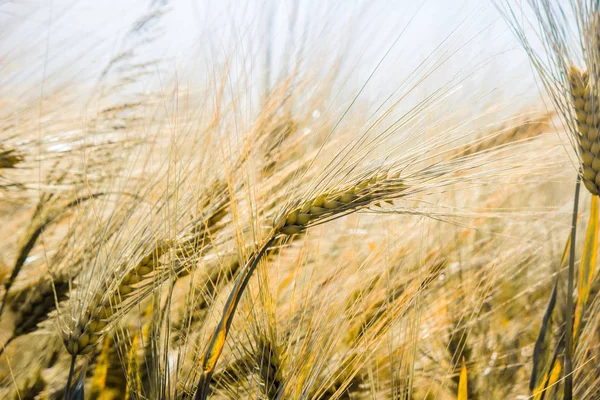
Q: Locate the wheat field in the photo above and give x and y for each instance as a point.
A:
(299, 200)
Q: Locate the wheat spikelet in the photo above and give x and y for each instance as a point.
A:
(37, 302)
(137, 282)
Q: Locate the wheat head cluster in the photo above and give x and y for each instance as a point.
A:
(263, 219)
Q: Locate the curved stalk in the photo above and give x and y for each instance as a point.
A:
(219, 335)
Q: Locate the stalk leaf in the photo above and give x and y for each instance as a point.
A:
(549, 380)
(587, 267)
(543, 344)
(463, 392)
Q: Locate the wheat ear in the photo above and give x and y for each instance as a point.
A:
(90, 327)
(338, 202)
(587, 118)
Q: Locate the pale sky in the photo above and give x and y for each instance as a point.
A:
(67, 41)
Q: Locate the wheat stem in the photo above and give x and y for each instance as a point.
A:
(70, 378)
(217, 339)
(568, 390)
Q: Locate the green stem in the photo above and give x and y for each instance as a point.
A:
(568, 393)
(70, 378)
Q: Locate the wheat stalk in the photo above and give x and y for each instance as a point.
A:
(574, 92)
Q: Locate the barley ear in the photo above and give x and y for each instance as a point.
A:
(587, 118)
